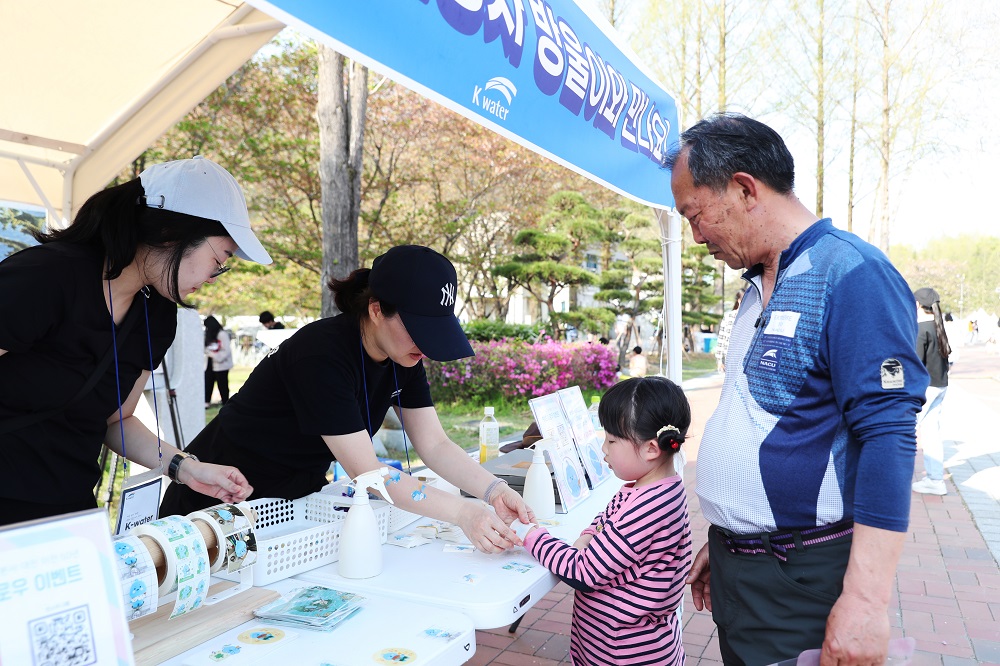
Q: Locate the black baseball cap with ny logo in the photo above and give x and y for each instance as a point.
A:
(422, 284)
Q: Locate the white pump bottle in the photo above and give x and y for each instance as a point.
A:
(360, 542)
(538, 491)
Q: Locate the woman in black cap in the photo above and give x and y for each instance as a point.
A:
(933, 349)
(324, 392)
(91, 311)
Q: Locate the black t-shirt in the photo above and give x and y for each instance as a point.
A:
(929, 352)
(56, 329)
(311, 385)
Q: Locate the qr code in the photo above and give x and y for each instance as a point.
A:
(63, 639)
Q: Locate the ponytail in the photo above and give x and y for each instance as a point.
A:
(352, 295)
(944, 347)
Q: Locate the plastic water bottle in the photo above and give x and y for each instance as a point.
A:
(489, 436)
(595, 402)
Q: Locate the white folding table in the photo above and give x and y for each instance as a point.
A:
(493, 590)
(385, 630)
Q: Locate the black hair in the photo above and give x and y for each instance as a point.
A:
(212, 329)
(727, 143)
(265, 317)
(944, 347)
(115, 222)
(637, 349)
(352, 295)
(639, 408)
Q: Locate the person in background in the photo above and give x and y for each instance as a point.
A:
(629, 566)
(103, 296)
(804, 469)
(725, 328)
(268, 321)
(219, 354)
(933, 349)
(637, 365)
(321, 395)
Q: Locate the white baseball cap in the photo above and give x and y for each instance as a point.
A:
(202, 188)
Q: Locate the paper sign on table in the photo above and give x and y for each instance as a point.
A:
(588, 444)
(556, 431)
(60, 593)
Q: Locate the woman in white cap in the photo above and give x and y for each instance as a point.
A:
(326, 390)
(89, 313)
(933, 349)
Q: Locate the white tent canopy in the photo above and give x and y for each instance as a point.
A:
(88, 86)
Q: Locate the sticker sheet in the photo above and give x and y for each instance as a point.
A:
(241, 646)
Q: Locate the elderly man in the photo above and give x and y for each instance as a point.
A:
(804, 469)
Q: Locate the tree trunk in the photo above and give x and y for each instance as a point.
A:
(855, 87)
(820, 109)
(341, 113)
(885, 141)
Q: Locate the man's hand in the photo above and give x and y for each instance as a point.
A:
(857, 630)
(700, 581)
(857, 633)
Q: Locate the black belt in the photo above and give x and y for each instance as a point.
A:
(780, 542)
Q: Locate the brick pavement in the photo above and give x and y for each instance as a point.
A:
(947, 592)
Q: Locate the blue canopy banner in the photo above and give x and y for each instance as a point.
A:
(545, 74)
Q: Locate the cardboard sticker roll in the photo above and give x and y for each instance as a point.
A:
(187, 566)
(234, 532)
(137, 575)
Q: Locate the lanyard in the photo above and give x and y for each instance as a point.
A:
(118, 385)
(399, 401)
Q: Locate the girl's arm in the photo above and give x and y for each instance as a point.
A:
(621, 543)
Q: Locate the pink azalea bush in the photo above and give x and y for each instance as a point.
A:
(517, 370)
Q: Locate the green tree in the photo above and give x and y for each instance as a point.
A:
(550, 257)
(16, 226)
(632, 283)
(698, 275)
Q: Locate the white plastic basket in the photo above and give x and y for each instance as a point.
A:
(289, 541)
(328, 507)
(398, 518)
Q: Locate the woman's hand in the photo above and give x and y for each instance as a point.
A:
(225, 483)
(487, 532)
(583, 541)
(510, 506)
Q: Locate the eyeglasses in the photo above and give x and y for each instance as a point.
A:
(222, 268)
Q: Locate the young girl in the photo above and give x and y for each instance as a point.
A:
(629, 566)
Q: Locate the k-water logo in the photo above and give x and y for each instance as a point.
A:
(491, 97)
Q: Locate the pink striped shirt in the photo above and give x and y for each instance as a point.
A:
(636, 565)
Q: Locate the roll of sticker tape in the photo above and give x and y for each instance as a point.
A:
(137, 575)
(187, 566)
(233, 527)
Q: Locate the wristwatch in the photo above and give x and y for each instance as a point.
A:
(175, 465)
